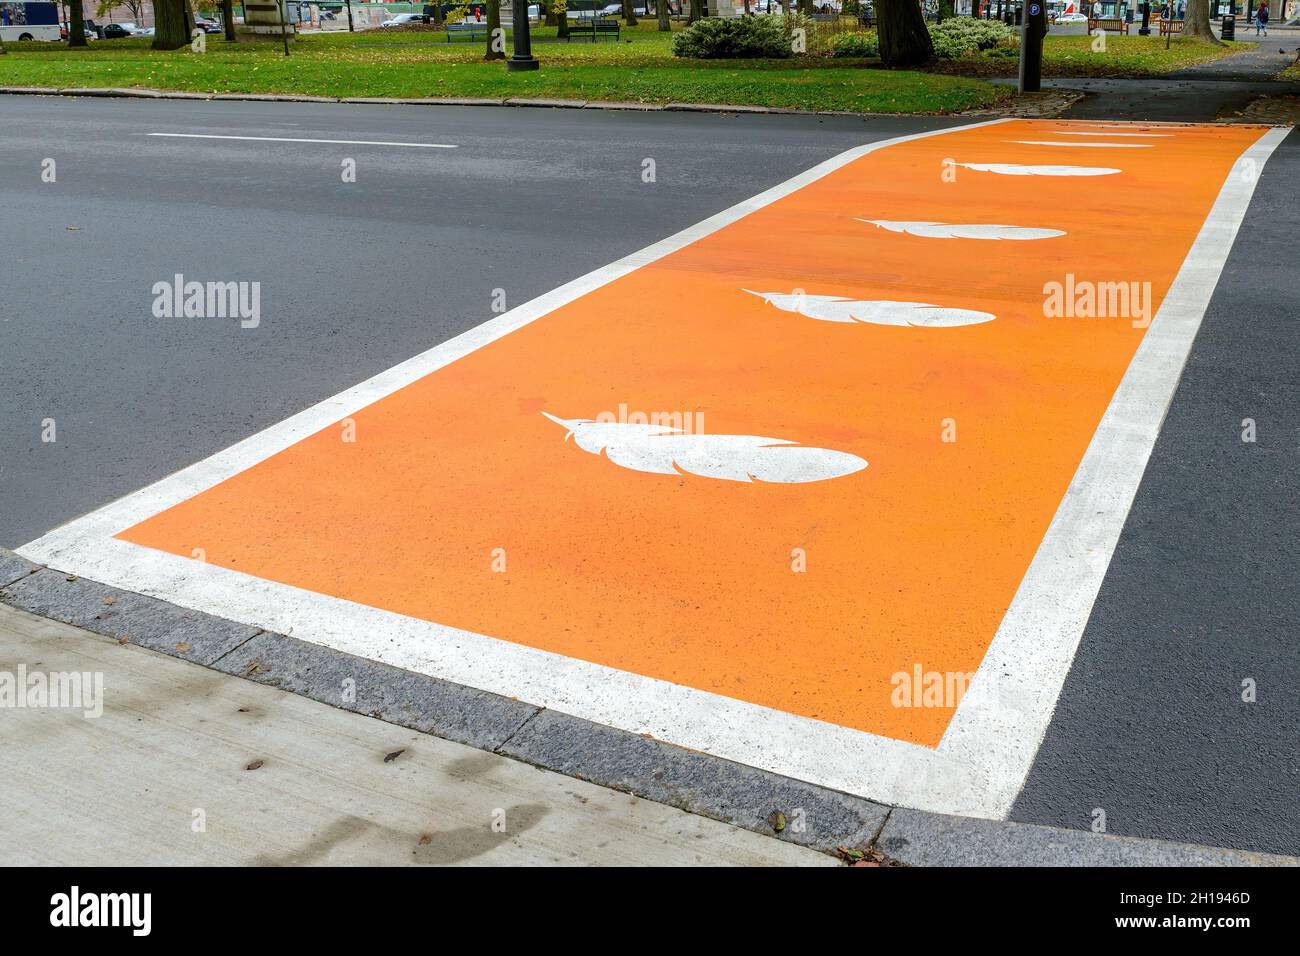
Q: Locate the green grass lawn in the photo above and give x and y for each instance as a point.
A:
(407, 64)
(641, 68)
(1124, 56)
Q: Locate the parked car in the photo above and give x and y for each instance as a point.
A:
(207, 24)
(147, 32)
(115, 31)
(403, 18)
(603, 13)
(86, 28)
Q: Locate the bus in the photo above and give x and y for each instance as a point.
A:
(29, 21)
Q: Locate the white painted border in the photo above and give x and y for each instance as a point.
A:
(983, 759)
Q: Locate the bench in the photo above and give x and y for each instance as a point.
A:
(1170, 26)
(826, 18)
(594, 29)
(1112, 24)
(471, 30)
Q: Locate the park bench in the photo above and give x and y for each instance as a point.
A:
(1170, 26)
(1110, 24)
(594, 29)
(826, 17)
(470, 30)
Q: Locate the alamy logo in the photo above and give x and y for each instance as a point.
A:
(686, 423)
(179, 299)
(73, 690)
(103, 909)
(1081, 299)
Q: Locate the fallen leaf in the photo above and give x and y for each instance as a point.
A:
(183, 648)
(425, 839)
(389, 758)
(254, 765)
(110, 600)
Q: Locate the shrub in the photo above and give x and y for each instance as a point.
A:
(714, 38)
(858, 44)
(966, 36)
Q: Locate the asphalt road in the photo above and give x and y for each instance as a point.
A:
(354, 277)
(1150, 728)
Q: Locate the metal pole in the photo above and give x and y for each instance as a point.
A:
(1033, 28)
(523, 58)
(350, 30)
(1145, 29)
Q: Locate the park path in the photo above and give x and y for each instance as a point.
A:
(1261, 62)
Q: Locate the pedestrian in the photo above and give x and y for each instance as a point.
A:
(1261, 18)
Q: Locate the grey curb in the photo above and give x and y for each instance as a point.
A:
(514, 101)
(697, 782)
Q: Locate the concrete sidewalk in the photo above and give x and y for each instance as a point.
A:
(283, 777)
(190, 766)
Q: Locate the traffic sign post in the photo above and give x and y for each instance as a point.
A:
(1033, 28)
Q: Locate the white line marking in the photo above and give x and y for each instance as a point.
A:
(287, 139)
(984, 758)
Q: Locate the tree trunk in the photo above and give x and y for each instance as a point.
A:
(1197, 23)
(945, 10)
(806, 6)
(76, 24)
(493, 26)
(904, 40)
(562, 23)
(697, 11)
(228, 19)
(661, 14)
(169, 25)
(629, 13)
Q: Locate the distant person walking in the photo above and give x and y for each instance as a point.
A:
(1261, 18)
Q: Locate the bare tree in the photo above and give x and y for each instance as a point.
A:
(76, 24)
(1197, 22)
(904, 39)
(170, 31)
(494, 31)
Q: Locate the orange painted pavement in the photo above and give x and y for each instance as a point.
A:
(688, 579)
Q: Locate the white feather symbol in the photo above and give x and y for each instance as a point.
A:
(1049, 142)
(1113, 132)
(837, 308)
(1012, 169)
(670, 451)
(948, 230)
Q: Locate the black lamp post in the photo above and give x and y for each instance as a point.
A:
(523, 58)
(1145, 29)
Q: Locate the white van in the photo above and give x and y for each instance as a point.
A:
(29, 21)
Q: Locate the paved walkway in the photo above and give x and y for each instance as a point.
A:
(1261, 62)
(166, 777)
